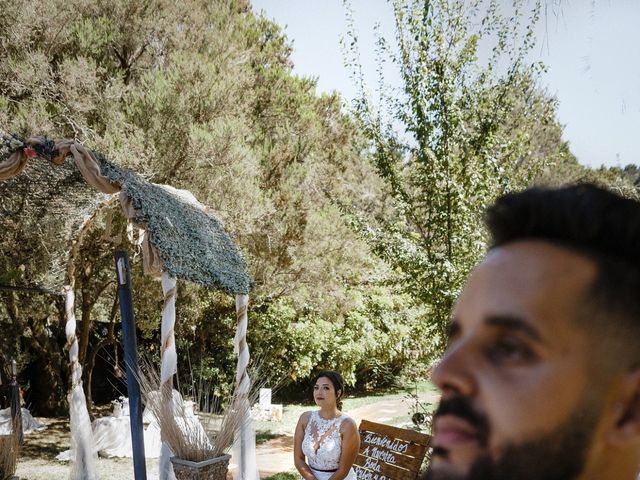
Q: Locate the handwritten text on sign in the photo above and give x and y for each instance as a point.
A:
(389, 453)
(379, 449)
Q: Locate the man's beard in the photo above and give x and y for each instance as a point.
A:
(559, 455)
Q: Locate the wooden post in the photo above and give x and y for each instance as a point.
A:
(16, 408)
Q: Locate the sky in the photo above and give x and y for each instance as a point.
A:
(590, 47)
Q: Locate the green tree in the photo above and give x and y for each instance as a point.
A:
(200, 95)
(459, 131)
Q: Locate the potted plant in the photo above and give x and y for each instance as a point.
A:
(199, 447)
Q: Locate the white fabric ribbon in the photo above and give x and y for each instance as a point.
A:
(82, 444)
(244, 447)
(169, 361)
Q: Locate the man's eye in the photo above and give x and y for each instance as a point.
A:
(509, 349)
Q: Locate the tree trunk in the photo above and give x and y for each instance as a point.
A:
(46, 393)
(91, 362)
(89, 298)
(48, 370)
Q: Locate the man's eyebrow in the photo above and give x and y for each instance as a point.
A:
(514, 323)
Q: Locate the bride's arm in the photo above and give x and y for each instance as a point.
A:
(298, 454)
(350, 448)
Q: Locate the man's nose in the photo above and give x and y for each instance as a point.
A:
(454, 375)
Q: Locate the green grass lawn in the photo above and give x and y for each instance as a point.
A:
(284, 476)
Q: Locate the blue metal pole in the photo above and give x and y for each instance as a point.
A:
(131, 358)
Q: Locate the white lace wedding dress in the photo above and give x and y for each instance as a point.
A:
(322, 445)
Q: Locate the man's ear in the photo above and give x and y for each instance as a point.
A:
(626, 411)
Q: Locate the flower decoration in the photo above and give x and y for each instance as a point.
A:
(30, 152)
(11, 143)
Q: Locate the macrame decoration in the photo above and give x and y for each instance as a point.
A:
(181, 240)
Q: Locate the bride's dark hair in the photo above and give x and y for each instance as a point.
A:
(336, 381)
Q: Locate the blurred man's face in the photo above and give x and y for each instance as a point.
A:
(514, 378)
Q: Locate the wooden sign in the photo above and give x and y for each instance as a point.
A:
(389, 453)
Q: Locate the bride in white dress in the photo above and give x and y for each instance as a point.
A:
(326, 441)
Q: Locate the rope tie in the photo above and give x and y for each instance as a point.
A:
(168, 295)
(85, 455)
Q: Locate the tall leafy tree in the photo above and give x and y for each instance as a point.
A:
(201, 95)
(467, 123)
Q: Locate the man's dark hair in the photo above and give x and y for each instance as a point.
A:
(595, 222)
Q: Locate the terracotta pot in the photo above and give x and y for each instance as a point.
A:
(212, 469)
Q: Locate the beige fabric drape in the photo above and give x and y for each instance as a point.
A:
(13, 165)
(86, 163)
(90, 170)
(151, 261)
